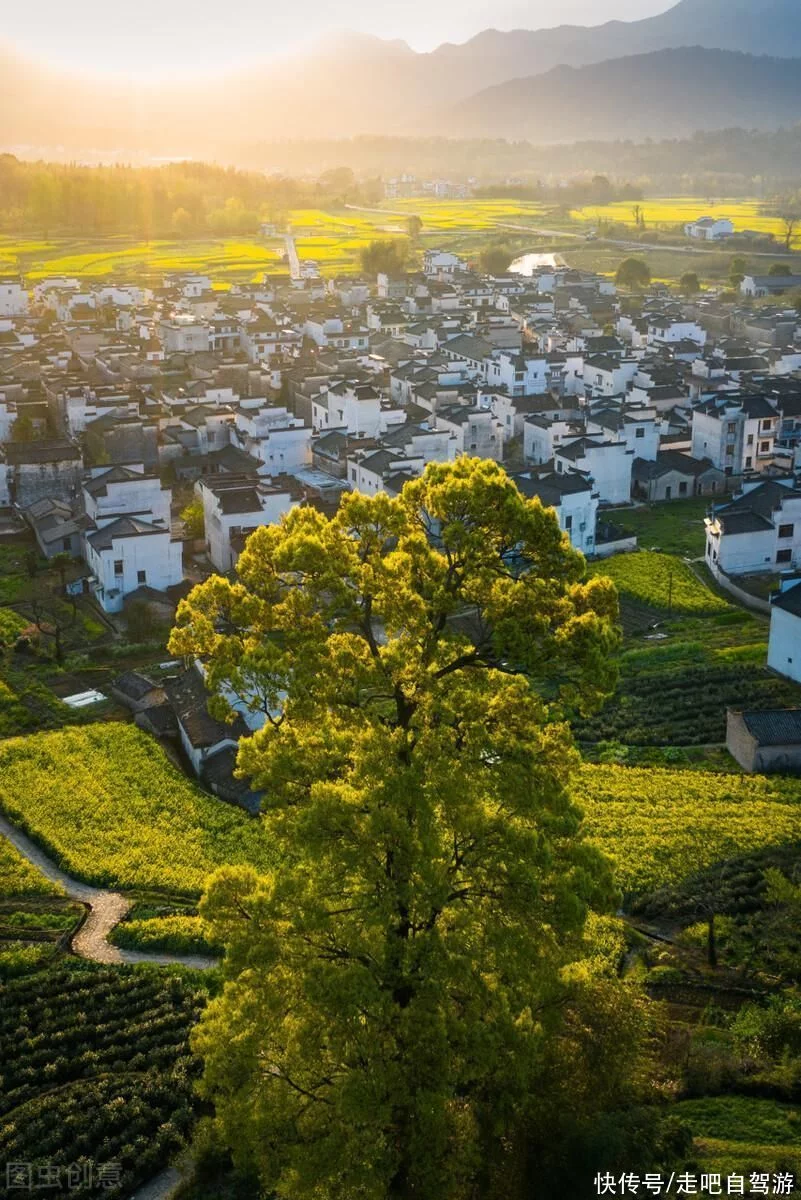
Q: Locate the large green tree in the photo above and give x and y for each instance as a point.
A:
(397, 988)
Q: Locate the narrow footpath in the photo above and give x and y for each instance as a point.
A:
(106, 910)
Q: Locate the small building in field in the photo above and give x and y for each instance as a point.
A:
(765, 742)
(710, 229)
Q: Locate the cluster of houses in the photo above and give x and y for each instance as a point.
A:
(120, 398)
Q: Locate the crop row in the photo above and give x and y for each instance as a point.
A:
(684, 706)
(100, 1138)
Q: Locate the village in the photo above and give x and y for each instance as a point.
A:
(123, 407)
(148, 426)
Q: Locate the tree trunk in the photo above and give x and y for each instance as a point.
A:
(711, 945)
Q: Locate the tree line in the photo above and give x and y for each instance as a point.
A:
(177, 199)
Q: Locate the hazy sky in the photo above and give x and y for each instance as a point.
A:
(152, 37)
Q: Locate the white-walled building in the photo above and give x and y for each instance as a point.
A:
(235, 505)
(736, 433)
(13, 296)
(126, 554)
(183, 334)
(784, 643)
(606, 464)
(759, 531)
(710, 229)
(274, 436)
(519, 374)
(574, 499)
(117, 491)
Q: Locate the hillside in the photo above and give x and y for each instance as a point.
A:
(670, 93)
(357, 84)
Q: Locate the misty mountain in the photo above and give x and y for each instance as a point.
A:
(356, 84)
(758, 27)
(671, 93)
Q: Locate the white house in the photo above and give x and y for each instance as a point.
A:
(274, 436)
(13, 297)
(736, 433)
(441, 263)
(476, 432)
(784, 643)
(235, 505)
(759, 531)
(574, 500)
(126, 554)
(519, 374)
(118, 491)
(608, 376)
(183, 334)
(710, 229)
(607, 465)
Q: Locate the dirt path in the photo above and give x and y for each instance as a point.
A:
(106, 909)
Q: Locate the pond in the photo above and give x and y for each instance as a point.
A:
(527, 264)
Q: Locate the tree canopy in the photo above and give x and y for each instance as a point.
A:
(633, 273)
(386, 255)
(406, 987)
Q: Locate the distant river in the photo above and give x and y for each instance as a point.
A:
(527, 264)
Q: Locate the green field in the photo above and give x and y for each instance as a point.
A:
(110, 807)
(738, 1135)
(225, 259)
(668, 212)
(106, 802)
(658, 826)
(662, 581)
(676, 527)
(19, 878)
(334, 238)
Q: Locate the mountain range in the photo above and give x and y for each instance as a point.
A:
(703, 64)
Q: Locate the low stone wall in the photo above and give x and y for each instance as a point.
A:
(621, 546)
(755, 603)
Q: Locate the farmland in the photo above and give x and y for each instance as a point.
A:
(223, 258)
(97, 1073)
(660, 825)
(66, 790)
(669, 212)
(110, 808)
(661, 581)
(334, 238)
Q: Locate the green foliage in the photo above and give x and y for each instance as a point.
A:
(660, 705)
(661, 581)
(106, 802)
(19, 958)
(689, 283)
(11, 626)
(96, 1067)
(192, 517)
(633, 273)
(174, 935)
(413, 979)
(495, 260)
(386, 255)
(19, 878)
(739, 1135)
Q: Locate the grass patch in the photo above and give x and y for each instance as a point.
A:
(675, 527)
(739, 1135)
(19, 878)
(172, 935)
(661, 581)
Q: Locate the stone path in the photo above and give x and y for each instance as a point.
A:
(106, 909)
